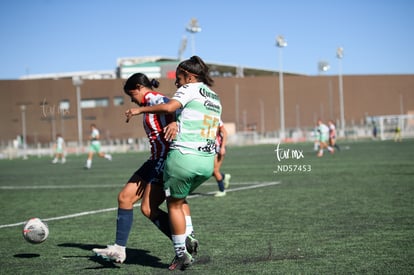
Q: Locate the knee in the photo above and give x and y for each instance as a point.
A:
(125, 199)
(175, 204)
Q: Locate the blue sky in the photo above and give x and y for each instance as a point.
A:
(48, 36)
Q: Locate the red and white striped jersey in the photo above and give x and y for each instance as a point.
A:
(154, 125)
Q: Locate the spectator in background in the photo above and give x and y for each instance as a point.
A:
(397, 134)
(332, 135)
(59, 149)
(223, 180)
(323, 137)
(95, 147)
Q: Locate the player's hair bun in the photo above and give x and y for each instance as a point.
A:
(155, 83)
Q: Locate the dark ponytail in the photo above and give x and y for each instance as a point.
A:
(140, 79)
(196, 66)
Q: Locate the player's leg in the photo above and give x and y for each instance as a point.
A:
(322, 146)
(63, 160)
(334, 144)
(183, 173)
(56, 159)
(129, 195)
(177, 184)
(105, 155)
(183, 258)
(330, 145)
(89, 159)
(191, 243)
(153, 197)
(218, 159)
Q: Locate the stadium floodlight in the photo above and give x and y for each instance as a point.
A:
(24, 144)
(193, 28)
(281, 43)
(323, 66)
(340, 55)
(340, 52)
(77, 82)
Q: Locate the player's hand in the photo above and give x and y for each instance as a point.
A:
(171, 131)
(131, 112)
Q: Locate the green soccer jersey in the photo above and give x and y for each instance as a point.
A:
(198, 120)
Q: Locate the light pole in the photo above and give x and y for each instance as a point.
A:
(281, 43)
(193, 28)
(236, 93)
(183, 46)
(323, 67)
(77, 82)
(24, 145)
(298, 116)
(262, 117)
(340, 55)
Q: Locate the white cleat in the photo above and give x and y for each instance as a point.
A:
(226, 180)
(220, 194)
(114, 253)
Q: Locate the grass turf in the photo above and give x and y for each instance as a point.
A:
(352, 213)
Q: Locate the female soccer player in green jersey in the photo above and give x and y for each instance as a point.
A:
(190, 161)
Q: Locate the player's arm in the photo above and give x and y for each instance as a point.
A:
(169, 107)
(171, 130)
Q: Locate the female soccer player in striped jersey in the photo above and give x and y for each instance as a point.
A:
(190, 161)
(146, 182)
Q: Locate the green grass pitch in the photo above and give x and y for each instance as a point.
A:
(347, 213)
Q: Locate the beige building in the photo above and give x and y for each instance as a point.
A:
(250, 103)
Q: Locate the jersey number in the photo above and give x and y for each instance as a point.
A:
(211, 124)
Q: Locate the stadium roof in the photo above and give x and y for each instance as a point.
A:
(216, 69)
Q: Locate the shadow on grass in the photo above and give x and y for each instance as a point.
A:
(26, 255)
(134, 256)
(203, 194)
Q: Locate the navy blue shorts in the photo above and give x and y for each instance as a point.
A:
(150, 172)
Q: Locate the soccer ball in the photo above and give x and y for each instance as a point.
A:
(35, 231)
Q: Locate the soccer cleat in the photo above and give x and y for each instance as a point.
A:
(191, 244)
(220, 194)
(112, 252)
(181, 263)
(226, 180)
(54, 161)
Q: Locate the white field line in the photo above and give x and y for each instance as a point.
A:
(58, 186)
(255, 185)
(27, 187)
